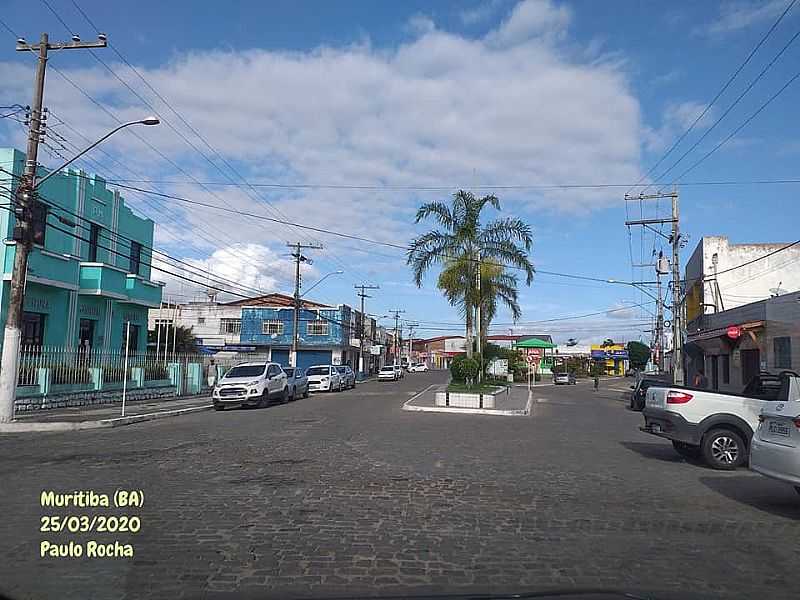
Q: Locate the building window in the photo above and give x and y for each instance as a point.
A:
(317, 328)
(86, 333)
(94, 237)
(32, 329)
(725, 367)
(133, 343)
(201, 320)
(272, 327)
(783, 352)
(136, 257)
(231, 326)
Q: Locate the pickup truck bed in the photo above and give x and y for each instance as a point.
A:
(715, 426)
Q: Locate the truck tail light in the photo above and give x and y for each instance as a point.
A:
(674, 397)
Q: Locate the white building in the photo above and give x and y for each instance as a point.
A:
(711, 287)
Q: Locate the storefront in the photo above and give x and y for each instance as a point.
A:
(612, 359)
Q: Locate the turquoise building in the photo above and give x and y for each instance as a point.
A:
(80, 291)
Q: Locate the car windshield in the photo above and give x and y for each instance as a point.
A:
(387, 370)
(246, 371)
(318, 371)
(289, 372)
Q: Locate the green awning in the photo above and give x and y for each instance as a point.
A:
(535, 343)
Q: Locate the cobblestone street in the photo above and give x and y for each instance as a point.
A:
(346, 493)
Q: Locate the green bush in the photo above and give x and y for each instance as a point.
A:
(463, 368)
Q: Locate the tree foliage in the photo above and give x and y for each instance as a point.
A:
(185, 341)
(638, 354)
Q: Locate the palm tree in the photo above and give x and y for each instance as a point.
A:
(496, 284)
(465, 242)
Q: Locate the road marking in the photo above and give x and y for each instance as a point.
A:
(410, 400)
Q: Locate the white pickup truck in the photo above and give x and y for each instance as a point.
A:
(715, 426)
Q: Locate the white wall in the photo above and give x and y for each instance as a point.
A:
(746, 284)
(204, 319)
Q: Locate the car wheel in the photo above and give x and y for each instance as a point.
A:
(219, 407)
(305, 394)
(263, 401)
(724, 449)
(797, 489)
(686, 450)
(285, 396)
(293, 395)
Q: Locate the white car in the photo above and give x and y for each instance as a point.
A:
(775, 447)
(251, 384)
(715, 426)
(324, 378)
(418, 368)
(387, 373)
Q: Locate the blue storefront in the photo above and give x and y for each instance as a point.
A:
(324, 334)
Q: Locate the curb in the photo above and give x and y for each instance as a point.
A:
(22, 427)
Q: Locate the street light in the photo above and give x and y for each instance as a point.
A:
(151, 120)
(320, 281)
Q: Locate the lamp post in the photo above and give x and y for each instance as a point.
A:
(25, 211)
(320, 281)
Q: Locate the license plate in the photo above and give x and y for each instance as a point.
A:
(778, 428)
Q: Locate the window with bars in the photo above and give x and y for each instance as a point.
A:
(230, 326)
(272, 327)
(783, 352)
(317, 328)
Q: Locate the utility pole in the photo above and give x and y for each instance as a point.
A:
(24, 211)
(298, 258)
(397, 314)
(662, 268)
(362, 336)
(478, 318)
(411, 328)
(674, 240)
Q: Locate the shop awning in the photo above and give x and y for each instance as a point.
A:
(535, 343)
(710, 334)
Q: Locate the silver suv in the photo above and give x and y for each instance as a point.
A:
(251, 384)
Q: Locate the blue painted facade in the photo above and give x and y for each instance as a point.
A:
(324, 334)
(78, 291)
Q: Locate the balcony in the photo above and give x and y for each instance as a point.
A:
(98, 279)
(141, 291)
(45, 267)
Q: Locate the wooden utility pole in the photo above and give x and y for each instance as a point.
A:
(362, 335)
(26, 210)
(298, 258)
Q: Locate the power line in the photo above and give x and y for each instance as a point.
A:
(719, 93)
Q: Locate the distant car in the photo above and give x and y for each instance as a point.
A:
(418, 368)
(775, 447)
(564, 379)
(251, 384)
(324, 378)
(297, 382)
(347, 375)
(387, 373)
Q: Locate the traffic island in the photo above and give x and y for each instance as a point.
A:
(513, 401)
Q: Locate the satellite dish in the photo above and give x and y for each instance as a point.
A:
(777, 291)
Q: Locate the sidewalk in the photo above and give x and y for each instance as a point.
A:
(70, 419)
(517, 402)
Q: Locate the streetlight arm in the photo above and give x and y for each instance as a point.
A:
(320, 281)
(147, 121)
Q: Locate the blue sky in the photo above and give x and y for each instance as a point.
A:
(451, 94)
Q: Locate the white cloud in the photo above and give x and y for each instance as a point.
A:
(734, 16)
(480, 13)
(516, 106)
(677, 118)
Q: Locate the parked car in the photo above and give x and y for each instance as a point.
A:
(715, 426)
(387, 373)
(775, 447)
(297, 383)
(418, 368)
(324, 378)
(639, 391)
(400, 371)
(564, 379)
(347, 375)
(251, 384)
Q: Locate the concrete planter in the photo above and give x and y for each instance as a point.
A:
(467, 400)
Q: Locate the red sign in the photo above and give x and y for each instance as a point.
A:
(734, 332)
(531, 358)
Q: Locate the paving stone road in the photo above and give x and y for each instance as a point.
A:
(346, 493)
